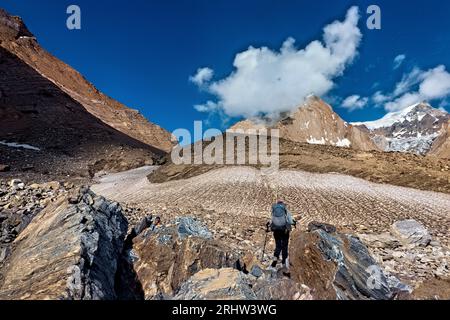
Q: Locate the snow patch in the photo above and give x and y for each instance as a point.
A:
(18, 145)
(344, 143)
(312, 140)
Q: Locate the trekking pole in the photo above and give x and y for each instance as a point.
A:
(264, 247)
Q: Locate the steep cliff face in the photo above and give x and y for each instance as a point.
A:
(15, 38)
(315, 122)
(441, 146)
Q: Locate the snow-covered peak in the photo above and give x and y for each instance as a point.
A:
(410, 114)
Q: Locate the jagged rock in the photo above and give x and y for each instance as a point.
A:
(336, 266)
(165, 258)
(411, 232)
(4, 168)
(69, 251)
(216, 284)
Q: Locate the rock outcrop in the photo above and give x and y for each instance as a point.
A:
(19, 204)
(216, 284)
(70, 250)
(164, 258)
(336, 266)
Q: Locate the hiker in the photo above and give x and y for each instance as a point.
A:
(281, 226)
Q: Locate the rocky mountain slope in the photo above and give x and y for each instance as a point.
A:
(441, 146)
(51, 117)
(413, 129)
(315, 122)
(16, 38)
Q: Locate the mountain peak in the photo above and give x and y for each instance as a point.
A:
(412, 113)
(412, 129)
(12, 27)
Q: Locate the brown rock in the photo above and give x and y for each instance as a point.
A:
(336, 266)
(163, 261)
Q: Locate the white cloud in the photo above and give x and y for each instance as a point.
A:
(202, 76)
(379, 98)
(268, 82)
(398, 61)
(436, 84)
(418, 86)
(354, 102)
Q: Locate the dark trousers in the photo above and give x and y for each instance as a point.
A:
(281, 244)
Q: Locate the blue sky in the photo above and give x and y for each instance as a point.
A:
(142, 53)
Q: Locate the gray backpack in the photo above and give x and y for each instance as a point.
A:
(279, 218)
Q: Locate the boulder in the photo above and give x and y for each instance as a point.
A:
(216, 284)
(411, 232)
(336, 266)
(4, 168)
(165, 258)
(68, 251)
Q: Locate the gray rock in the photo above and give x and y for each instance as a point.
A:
(216, 284)
(337, 266)
(256, 271)
(79, 247)
(188, 226)
(411, 232)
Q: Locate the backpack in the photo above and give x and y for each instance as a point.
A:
(279, 218)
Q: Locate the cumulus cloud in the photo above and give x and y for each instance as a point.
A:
(202, 76)
(398, 61)
(268, 82)
(354, 102)
(418, 86)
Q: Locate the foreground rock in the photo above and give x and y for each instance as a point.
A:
(69, 251)
(213, 284)
(336, 266)
(165, 258)
(19, 203)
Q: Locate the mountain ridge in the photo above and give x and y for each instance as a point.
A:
(17, 39)
(315, 122)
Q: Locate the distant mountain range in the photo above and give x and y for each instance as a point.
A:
(419, 129)
(413, 129)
